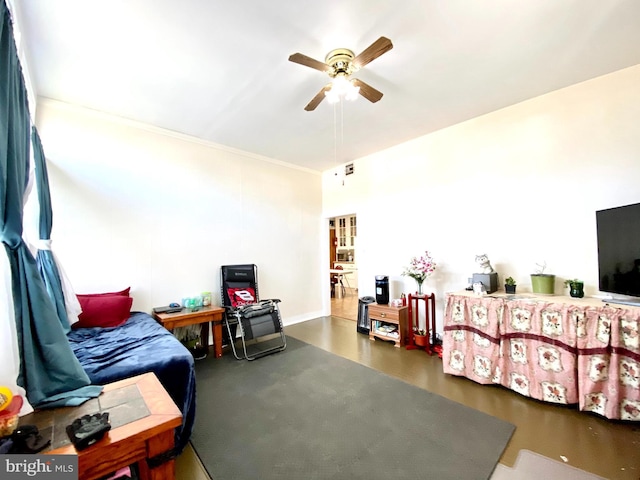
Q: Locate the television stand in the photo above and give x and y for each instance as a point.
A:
(623, 301)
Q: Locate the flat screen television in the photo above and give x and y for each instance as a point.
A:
(618, 231)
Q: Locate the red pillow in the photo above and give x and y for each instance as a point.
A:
(241, 296)
(103, 310)
(121, 293)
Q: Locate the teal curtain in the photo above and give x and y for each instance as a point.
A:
(49, 371)
(45, 260)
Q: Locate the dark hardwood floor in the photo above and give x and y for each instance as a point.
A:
(587, 441)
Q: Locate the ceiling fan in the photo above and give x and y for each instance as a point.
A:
(340, 64)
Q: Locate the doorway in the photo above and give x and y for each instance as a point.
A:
(343, 266)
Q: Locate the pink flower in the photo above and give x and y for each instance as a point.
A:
(420, 268)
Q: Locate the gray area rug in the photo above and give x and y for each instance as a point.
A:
(308, 414)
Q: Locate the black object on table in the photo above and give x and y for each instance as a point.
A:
(88, 429)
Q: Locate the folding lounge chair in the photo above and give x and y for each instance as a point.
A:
(255, 323)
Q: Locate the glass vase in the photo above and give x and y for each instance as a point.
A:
(419, 283)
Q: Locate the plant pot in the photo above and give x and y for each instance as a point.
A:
(199, 352)
(510, 288)
(191, 344)
(420, 340)
(576, 289)
(543, 283)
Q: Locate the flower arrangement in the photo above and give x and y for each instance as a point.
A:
(420, 268)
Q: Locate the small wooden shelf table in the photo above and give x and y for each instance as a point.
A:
(204, 316)
(387, 317)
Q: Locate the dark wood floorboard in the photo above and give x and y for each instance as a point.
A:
(587, 441)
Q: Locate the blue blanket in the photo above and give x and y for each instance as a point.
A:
(139, 346)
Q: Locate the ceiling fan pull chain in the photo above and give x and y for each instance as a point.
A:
(342, 130)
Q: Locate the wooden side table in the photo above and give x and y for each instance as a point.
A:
(204, 316)
(143, 421)
(387, 317)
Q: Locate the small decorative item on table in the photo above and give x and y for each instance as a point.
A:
(479, 288)
(487, 276)
(206, 299)
(576, 287)
(193, 304)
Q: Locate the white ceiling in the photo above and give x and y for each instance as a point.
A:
(219, 70)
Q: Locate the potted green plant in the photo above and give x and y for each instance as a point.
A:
(189, 336)
(509, 285)
(576, 287)
(420, 337)
(543, 283)
(191, 343)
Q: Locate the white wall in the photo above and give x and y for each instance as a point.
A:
(161, 212)
(521, 184)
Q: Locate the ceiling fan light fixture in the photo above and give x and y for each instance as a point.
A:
(340, 64)
(341, 87)
(352, 93)
(332, 96)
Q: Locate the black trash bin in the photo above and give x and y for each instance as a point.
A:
(363, 314)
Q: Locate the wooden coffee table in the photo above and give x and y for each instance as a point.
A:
(203, 315)
(143, 419)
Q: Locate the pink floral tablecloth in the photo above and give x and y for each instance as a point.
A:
(549, 350)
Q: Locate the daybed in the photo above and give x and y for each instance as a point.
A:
(137, 346)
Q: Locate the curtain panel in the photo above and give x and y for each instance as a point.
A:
(9, 351)
(48, 370)
(47, 264)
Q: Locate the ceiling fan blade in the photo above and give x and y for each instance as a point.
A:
(309, 62)
(317, 99)
(373, 51)
(367, 91)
